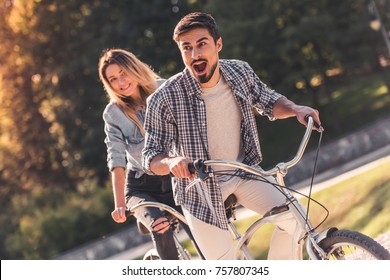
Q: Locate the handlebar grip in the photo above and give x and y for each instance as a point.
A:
(196, 166)
(318, 127)
(192, 168)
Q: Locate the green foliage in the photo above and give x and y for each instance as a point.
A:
(366, 97)
(51, 101)
(50, 221)
(291, 41)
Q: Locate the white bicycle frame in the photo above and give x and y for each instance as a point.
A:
(303, 231)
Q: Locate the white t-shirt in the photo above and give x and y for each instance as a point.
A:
(223, 122)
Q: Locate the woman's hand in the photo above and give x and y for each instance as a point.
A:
(119, 215)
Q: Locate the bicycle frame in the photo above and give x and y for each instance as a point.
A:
(331, 243)
(303, 230)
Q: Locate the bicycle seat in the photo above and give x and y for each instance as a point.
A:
(230, 201)
(230, 205)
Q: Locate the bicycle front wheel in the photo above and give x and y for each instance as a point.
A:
(151, 255)
(352, 245)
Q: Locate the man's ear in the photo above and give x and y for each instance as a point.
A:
(219, 44)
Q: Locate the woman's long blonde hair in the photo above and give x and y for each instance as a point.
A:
(137, 71)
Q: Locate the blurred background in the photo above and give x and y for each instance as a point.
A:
(55, 190)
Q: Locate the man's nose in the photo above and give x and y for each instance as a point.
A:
(195, 53)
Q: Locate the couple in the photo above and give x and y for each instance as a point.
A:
(186, 120)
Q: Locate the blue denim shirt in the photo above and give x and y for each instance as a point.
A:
(124, 140)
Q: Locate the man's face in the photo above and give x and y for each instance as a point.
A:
(200, 55)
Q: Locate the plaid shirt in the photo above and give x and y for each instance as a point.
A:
(175, 125)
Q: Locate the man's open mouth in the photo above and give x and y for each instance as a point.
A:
(200, 68)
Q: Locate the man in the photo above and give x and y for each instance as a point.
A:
(205, 112)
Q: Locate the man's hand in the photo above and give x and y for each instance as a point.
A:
(285, 108)
(178, 166)
(303, 111)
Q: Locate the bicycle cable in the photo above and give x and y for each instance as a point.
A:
(243, 174)
(313, 174)
(239, 174)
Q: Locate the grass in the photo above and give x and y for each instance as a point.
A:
(360, 203)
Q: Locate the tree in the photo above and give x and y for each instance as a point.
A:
(52, 154)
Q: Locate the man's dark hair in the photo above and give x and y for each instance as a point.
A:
(196, 20)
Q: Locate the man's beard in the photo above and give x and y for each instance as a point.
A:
(205, 78)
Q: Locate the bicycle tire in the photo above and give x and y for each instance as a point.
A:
(151, 255)
(352, 245)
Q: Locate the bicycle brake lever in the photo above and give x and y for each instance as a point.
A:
(128, 213)
(192, 184)
(198, 167)
(318, 127)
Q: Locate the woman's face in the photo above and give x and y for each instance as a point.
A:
(120, 81)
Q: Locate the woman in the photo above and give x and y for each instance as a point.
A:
(128, 82)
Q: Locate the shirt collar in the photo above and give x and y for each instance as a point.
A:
(192, 86)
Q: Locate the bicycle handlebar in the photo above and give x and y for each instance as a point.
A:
(280, 167)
